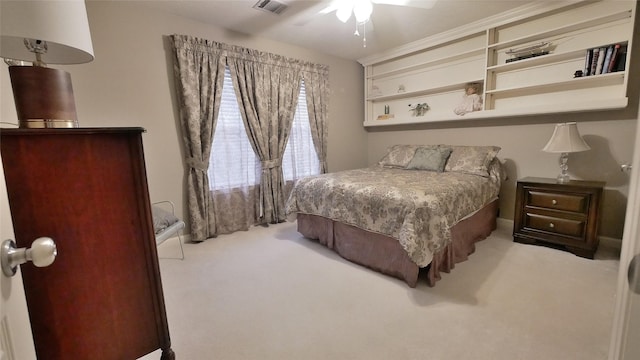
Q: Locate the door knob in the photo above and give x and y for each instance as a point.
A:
(633, 274)
(43, 252)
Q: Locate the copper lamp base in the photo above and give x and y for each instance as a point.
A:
(43, 97)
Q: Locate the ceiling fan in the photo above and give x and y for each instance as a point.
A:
(362, 10)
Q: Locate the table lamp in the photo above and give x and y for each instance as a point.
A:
(565, 139)
(44, 32)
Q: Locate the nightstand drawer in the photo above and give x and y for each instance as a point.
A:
(568, 202)
(567, 227)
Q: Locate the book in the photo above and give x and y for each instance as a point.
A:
(587, 63)
(594, 61)
(622, 59)
(607, 59)
(614, 58)
(601, 53)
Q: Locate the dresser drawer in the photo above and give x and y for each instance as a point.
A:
(567, 227)
(568, 202)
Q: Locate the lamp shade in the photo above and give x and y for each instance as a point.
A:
(566, 139)
(62, 24)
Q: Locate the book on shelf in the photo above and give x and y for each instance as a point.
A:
(614, 57)
(605, 59)
(594, 61)
(600, 62)
(621, 60)
(587, 62)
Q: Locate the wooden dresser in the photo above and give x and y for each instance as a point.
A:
(87, 189)
(560, 215)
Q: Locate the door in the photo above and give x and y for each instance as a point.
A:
(625, 344)
(15, 331)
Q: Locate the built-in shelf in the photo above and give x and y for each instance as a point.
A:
(569, 84)
(595, 21)
(422, 92)
(580, 106)
(545, 83)
(439, 61)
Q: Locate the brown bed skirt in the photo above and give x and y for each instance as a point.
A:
(385, 254)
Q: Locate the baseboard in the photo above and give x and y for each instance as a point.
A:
(609, 242)
(504, 223)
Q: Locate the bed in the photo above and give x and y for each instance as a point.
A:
(421, 208)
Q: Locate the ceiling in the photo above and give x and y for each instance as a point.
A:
(302, 23)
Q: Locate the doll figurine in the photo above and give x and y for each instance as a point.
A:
(471, 100)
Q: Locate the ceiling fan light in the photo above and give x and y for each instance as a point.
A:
(362, 9)
(344, 12)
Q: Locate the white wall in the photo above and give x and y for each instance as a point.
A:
(130, 83)
(521, 141)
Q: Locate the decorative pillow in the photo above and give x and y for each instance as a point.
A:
(430, 159)
(162, 219)
(473, 160)
(399, 156)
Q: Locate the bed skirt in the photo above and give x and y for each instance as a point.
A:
(385, 254)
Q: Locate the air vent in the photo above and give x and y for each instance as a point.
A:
(271, 6)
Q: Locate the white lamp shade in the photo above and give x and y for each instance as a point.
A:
(62, 24)
(566, 139)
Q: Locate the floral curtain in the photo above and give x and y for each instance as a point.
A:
(317, 90)
(267, 87)
(199, 73)
(267, 91)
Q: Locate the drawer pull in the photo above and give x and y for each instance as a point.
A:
(554, 202)
(552, 225)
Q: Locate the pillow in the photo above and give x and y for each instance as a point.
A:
(162, 219)
(473, 160)
(430, 159)
(399, 156)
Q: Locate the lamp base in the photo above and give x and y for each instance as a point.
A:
(563, 179)
(43, 97)
(47, 124)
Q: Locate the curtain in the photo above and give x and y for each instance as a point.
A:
(267, 88)
(317, 91)
(199, 74)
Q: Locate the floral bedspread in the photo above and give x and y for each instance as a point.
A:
(418, 208)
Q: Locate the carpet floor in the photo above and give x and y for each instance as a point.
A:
(268, 293)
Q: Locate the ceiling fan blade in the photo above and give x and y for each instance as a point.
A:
(423, 4)
(318, 10)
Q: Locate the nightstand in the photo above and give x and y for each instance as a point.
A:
(565, 215)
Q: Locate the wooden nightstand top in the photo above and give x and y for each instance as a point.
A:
(550, 181)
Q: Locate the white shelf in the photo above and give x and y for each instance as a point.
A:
(426, 64)
(569, 84)
(610, 104)
(538, 60)
(544, 83)
(599, 20)
(423, 92)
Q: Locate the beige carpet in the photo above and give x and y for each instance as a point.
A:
(270, 294)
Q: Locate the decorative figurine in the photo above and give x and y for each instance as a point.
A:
(471, 100)
(419, 109)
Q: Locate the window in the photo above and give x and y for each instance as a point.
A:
(233, 163)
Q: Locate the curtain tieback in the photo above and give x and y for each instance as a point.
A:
(270, 164)
(197, 164)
